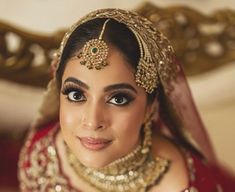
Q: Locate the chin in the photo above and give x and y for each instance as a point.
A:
(96, 158)
(95, 162)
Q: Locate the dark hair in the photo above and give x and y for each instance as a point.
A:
(117, 34)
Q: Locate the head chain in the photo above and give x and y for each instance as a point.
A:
(156, 54)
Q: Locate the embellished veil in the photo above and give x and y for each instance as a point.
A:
(177, 112)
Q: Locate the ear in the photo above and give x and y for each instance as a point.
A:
(152, 111)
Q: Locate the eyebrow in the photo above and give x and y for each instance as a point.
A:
(76, 81)
(106, 89)
(120, 86)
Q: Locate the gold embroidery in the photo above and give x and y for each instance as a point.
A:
(43, 171)
(191, 170)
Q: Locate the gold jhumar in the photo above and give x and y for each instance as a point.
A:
(156, 54)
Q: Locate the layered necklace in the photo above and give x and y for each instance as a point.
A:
(137, 171)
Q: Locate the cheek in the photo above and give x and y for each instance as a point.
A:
(128, 124)
(69, 118)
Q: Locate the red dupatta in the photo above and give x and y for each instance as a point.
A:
(178, 114)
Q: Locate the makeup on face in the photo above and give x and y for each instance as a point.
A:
(120, 94)
(95, 144)
(101, 111)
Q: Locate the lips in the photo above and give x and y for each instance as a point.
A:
(94, 143)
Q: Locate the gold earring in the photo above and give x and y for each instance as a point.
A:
(95, 52)
(147, 142)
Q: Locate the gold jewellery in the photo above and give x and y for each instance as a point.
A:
(95, 52)
(156, 54)
(135, 172)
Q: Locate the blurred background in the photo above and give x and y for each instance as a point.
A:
(201, 31)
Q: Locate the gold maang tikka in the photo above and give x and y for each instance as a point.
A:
(95, 52)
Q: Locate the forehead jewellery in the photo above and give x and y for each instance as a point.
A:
(156, 54)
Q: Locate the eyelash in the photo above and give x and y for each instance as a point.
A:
(129, 98)
(67, 89)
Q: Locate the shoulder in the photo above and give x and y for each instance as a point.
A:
(211, 177)
(188, 171)
(38, 159)
(177, 174)
(38, 139)
(37, 135)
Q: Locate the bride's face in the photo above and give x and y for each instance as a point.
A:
(101, 111)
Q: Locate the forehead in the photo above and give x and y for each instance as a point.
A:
(118, 70)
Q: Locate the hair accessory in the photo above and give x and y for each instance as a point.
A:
(156, 54)
(95, 52)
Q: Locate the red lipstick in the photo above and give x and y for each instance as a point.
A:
(94, 143)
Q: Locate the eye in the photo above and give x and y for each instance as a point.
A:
(73, 93)
(121, 99)
(76, 96)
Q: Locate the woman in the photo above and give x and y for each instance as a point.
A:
(118, 116)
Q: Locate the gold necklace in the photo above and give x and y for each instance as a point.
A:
(136, 171)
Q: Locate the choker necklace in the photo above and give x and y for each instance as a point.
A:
(137, 171)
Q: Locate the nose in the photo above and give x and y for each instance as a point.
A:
(93, 117)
